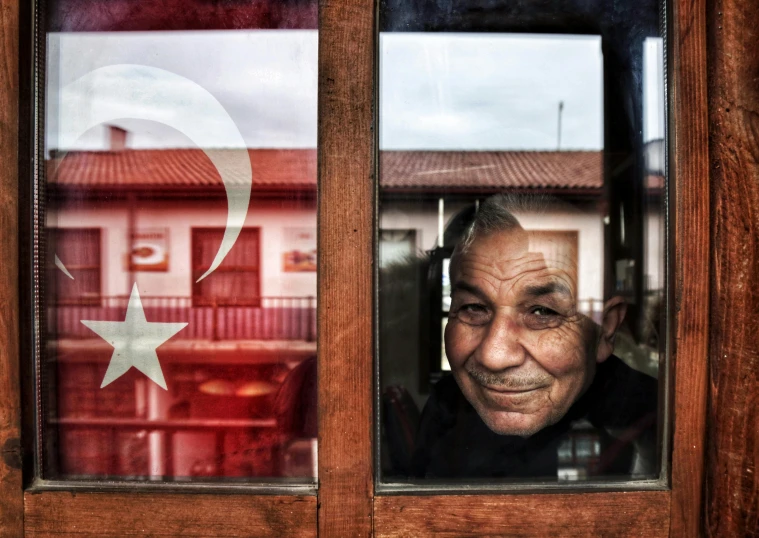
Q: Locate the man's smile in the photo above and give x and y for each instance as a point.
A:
(500, 398)
(503, 390)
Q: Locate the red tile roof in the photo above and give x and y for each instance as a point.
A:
(483, 170)
(295, 169)
(171, 168)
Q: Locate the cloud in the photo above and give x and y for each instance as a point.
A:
(437, 90)
(265, 80)
(503, 90)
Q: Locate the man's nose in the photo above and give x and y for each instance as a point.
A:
(501, 347)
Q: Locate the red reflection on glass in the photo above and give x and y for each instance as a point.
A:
(136, 15)
(241, 378)
(180, 241)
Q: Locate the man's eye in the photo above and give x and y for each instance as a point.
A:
(543, 311)
(542, 317)
(473, 313)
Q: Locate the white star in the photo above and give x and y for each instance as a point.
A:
(134, 342)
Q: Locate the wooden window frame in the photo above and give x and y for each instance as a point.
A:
(346, 502)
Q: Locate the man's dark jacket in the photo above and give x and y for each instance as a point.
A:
(619, 409)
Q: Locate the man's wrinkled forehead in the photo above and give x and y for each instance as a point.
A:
(520, 255)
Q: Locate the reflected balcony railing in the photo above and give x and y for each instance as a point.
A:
(104, 436)
(217, 319)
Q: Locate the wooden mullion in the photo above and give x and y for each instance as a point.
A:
(345, 205)
(11, 493)
(689, 201)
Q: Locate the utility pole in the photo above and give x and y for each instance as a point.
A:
(558, 138)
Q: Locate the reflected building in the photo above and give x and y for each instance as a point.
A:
(241, 392)
(156, 218)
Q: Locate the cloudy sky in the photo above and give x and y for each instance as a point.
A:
(489, 91)
(437, 91)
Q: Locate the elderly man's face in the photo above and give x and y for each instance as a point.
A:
(518, 348)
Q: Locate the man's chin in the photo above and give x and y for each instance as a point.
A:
(511, 423)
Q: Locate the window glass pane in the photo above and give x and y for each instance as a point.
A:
(179, 327)
(522, 337)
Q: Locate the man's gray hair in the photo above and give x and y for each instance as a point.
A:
(496, 214)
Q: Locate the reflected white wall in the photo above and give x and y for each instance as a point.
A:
(273, 218)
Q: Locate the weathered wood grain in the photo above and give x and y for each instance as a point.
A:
(644, 514)
(732, 500)
(134, 514)
(11, 497)
(346, 194)
(691, 263)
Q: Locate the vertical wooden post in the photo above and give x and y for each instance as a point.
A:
(11, 493)
(690, 131)
(346, 199)
(732, 458)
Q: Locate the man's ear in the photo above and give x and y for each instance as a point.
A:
(614, 313)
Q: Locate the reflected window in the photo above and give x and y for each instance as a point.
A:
(239, 281)
(80, 255)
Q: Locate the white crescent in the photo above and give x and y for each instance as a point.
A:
(101, 96)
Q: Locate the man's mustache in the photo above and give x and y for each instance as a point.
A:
(508, 381)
